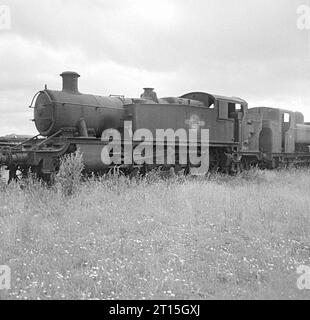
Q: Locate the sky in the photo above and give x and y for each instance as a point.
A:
(246, 48)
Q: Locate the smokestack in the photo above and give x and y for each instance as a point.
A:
(70, 81)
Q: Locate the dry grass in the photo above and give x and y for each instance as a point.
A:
(115, 238)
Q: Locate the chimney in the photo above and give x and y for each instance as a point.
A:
(70, 81)
(149, 94)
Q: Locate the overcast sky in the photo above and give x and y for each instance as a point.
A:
(247, 48)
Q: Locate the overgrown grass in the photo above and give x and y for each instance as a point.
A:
(146, 238)
(69, 176)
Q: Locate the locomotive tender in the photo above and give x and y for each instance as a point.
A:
(68, 120)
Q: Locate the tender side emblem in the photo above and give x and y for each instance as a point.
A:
(194, 122)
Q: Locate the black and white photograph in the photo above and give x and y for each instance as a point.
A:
(155, 155)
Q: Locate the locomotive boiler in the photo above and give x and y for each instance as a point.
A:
(70, 111)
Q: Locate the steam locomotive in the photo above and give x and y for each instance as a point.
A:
(239, 137)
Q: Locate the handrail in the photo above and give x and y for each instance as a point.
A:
(32, 101)
(26, 141)
(48, 139)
